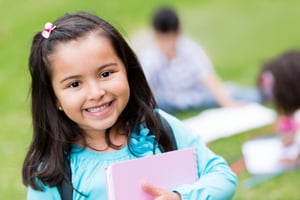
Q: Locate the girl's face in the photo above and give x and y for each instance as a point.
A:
(90, 82)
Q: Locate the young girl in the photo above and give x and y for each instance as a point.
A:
(279, 83)
(91, 106)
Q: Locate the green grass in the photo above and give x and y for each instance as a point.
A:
(237, 35)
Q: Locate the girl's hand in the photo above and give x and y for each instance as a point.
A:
(160, 194)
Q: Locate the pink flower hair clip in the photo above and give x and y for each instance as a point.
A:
(48, 29)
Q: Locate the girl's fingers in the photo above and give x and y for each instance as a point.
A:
(152, 190)
(159, 193)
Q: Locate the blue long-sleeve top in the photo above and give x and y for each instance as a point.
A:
(216, 180)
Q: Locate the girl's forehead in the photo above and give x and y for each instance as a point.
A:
(83, 57)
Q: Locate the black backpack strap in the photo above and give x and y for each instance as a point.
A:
(65, 187)
(167, 142)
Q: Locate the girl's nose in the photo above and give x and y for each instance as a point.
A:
(95, 91)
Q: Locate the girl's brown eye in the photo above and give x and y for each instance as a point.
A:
(74, 84)
(105, 74)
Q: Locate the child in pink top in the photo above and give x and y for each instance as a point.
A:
(279, 82)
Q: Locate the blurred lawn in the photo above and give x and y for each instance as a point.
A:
(237, 35)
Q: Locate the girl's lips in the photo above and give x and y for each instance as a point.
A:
(99, 108)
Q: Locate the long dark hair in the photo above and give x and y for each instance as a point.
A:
(53, 131)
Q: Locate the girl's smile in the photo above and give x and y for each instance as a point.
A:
(99, 110)
(90, 82)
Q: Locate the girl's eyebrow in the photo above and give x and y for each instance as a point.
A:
(69, 77)
(98, 69)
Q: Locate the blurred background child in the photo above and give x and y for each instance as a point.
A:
(279, 83)
(180, 73)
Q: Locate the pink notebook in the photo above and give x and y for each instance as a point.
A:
(168, 170)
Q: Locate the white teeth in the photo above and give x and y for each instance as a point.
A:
(97, 109)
